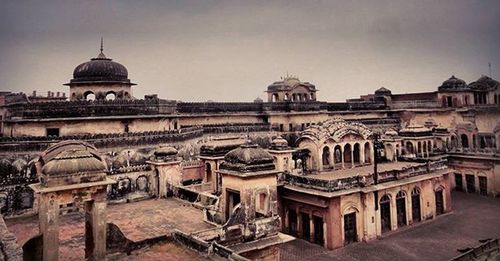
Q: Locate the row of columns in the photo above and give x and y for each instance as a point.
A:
(361, 152)
(422, 149)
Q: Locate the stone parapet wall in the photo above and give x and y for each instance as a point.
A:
(76, 109)
(66, 109)
(35, 143)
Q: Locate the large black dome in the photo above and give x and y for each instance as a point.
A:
(100, 70)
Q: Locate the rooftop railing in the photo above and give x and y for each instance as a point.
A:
(337, 184)
(476, 151)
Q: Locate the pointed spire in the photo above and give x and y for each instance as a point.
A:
(101, 54)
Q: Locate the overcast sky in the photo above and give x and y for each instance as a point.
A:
(232, 50)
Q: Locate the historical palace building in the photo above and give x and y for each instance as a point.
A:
(259, 173)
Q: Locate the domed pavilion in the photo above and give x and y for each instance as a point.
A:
(100, 79)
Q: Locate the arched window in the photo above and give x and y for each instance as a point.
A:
(110, 96)
(338, 154)
(367, 153)
(208, 170)
(89, 96)
(465, 140)
(274, 97)
(326, 157)
(142, 183)
(356, 153)
(287, 96)
(409, 148)
(347, 154)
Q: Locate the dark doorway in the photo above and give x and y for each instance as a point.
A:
(385, 213)
(350, 232)
(459, 186)
(292, 222)
(356, 153)
(439, 202)
(306, 226)
(318, 230)
(401, 208)
(465, 141)
(415, 205)
(483, 186)
(233, 199)
(471, 183)
(208, 170)
(449, 101)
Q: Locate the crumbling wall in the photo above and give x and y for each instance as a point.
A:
(9, 249)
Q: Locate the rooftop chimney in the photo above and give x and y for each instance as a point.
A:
(57, 95)
(34, 93)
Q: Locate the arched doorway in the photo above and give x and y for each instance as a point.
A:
(142, 184)
(208, 172)
(367, 153)
(356, 154)
(337, 155)
(465, 141)
(347, 155)
(326, 157)
(385, 213)
(415, 205)
(439, 201)
(89, 96)
(454, 142)
(110, 96)
(401, 208)
(350, 230)
(409, 148)
(419, 149)
(274, 97)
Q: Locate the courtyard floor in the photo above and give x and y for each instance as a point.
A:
(473, 218)
(138, 221)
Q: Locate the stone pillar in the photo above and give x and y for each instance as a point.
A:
(299, 223)
(95, 230)
(352, 156)
(311, 227)
(331, 157)
(342, 155)
(362, 159)
(287, 220)
(49, 226)
(325, 234)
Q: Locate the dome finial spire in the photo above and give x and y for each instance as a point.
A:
(101, 54)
